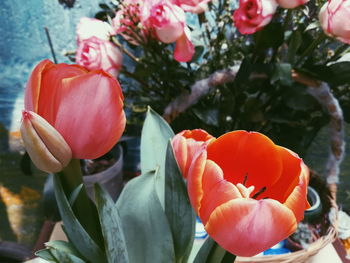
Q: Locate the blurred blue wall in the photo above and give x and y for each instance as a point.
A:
(23, 43)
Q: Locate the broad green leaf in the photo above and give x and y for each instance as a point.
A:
(146, 228)
(112, 231)
(64, 246)
(75, 232)
(46, 254)
(63, 256)
(154, 139)
(178, 208)
(211, 252)
(74, 195)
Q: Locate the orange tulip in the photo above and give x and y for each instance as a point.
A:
(85, 107)
(249, 193)
(186, 144)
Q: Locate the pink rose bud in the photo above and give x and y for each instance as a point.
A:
(193, 6)
(335, 19)
(94, 53)
(44, 144)
(253, 15)
(91, 27)
(291, 3)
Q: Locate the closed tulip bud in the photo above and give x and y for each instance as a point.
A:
(44, 144)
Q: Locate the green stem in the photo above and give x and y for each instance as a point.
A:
(312, 47)
(84, 209)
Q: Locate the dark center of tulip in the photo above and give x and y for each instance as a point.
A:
(255, 196)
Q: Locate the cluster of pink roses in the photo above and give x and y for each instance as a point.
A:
(253, 15)
(163, 20)
(137, 21)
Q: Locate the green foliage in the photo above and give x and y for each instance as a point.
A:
(74, 230)
(211, 252)
(115, 246)
(178, 209)
(152, 220)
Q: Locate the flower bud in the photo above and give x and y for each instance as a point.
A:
(44, 144)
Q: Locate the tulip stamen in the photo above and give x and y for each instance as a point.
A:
(245, 179)
(259, 192)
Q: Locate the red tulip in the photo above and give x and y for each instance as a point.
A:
(186, 144)
(85, 107)
(249, 193)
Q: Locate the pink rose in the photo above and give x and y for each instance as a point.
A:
(166, 18)
(169, 23)
(253, 15)
(193, 6)
(95, 53)
(335, 19)
(291, 3)
(91, 27)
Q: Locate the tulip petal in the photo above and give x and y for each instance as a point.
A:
(194, 180)
(289, 179)
(251, 154)
(32, 91)
(246, 227)
(52, 90)
(297, 200)
(45, 146)
(216, 190)
(98, 121)
(180, 151)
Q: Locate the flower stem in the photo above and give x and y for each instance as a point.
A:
(312, 47)
(83, 208)
(124, 50)
(50, 44)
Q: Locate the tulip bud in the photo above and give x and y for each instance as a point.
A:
(44, 144)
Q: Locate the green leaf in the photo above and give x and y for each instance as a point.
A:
(335, 74)
(146, 228)
(154, 139)
(63, 256)
(74, 195)
(312, 26)
(294, 45)
(46, 254)
(112, 231)
(211, 252)
(63, 246)
(271, 35)
(282, 73)
(178, 208)
(75, 232)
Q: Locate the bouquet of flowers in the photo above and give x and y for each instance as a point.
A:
(225, 65)
(214, 70)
